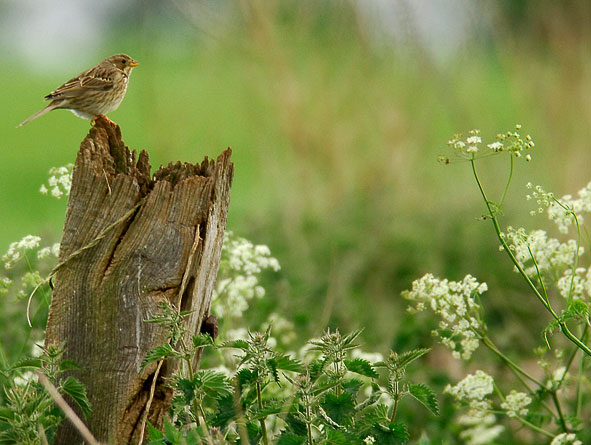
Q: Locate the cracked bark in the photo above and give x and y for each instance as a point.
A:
(104, 293)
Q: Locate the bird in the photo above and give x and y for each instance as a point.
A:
(94, 92)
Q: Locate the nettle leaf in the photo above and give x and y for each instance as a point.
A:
(377, 414)
(69, 365)
(225, 412)
(339, 437)
(272, 367)
(187, 387)
(349, 339)
(236, 344)
(213, 382)
(286, 363)
(28, 363)
(155, 434)
(393, 434)
(352, 386)
(246, 376)
(171, 433)
(77, 391)
(202, 339)
(361, 366)
(339, 407)
(291, 439)
(316, 369)
(425, 395)
(404, 359)
(158, 353)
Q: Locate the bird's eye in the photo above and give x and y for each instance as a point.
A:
(123, 61)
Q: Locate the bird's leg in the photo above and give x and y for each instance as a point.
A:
(94, 119)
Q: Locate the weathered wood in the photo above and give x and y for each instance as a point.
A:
(126, 247)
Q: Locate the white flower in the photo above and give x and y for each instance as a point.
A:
(369, 440)
(482, 429)
(473, 390)
(566, 439)
(516, 404)
(563, 218)
(60, 181)
(16, 249)
(474, 139)
(495, 146)
(456, 305)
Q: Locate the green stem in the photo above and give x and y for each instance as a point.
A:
(511, 364)
(262, 421)
(396, 399)
(492, 214)
(508, 183)
(559, 411)
(308, 423)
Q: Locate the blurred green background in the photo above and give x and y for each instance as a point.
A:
(336, 112)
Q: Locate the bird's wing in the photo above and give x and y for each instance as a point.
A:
(97, 78)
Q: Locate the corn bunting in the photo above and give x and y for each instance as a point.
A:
(93, 93)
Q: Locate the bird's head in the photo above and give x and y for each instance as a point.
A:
(123, 62)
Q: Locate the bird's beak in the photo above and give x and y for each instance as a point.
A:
(133, 63)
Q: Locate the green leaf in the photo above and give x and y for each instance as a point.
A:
(372, 415)
(28, 363)
(393, 434)
(272, 367)
(361, 366)
(338, 437)
(425, 395)
(75, 389)
(349, 339)
(339, 407)
(213, 382)
(155, 434)
(291, 439)
(401, 361)
(316, 369)
(201, 340)
(286, 363)
(236, 344)
(187, 387)
(352, 387)
(170, 432)
(69, 365)
(158, 353)
(246, 376)
(225, 412)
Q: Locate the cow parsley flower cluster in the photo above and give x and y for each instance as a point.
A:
(473, 390)
(562, 215)
(551, 256)
(238, 282)
(17, 249)
(516, 403)
(511, 142)
(456, 304)
(60, 181)
(481, 428)
(566, 439)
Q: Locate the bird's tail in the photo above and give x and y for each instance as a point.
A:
(47, 109)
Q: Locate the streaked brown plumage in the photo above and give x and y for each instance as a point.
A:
(93, 93)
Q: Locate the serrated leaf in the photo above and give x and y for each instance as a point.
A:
(339, 407)
(225, 412)
(154, 433)
(338, 437)
(377, 414)
(246, 376)
(69, 365)
(286, 363)
(352, 387)
(170, 432)
(393, 434)
(291, 439)
(272, 367)
(201, 340)
(77, 391)
(402, 360)
(28, 363)
(158, 353)
(349, 339)
(213, 382)
(361, 366)
(187, 387)
(236, 344)
(425, 395)
(316, 368)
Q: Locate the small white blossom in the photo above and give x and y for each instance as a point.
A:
(516, 404)
(473, 390)
(369, 440)
(16, 249)
(455, 303)
(563, 218)
(474, 140)
(60, 181)
(566, 439)
(496, 146)
(481, 428)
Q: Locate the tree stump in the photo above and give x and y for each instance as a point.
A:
(129, 243)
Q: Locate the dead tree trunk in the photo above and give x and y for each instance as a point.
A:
(129, 242)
